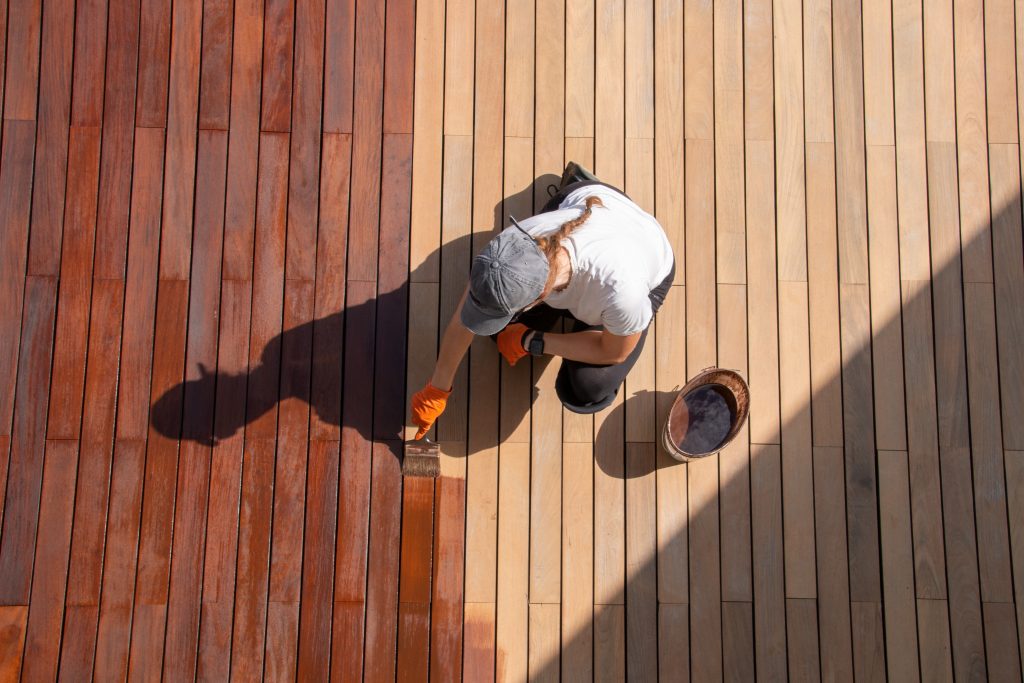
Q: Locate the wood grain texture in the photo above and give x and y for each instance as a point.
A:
(278, 55)
(25, 464)
(50, 179)
(315, 609)
(766, 536)
(447, 634)
(511, 630)
(339, 56)
(577, 597)
(21, 86)
(154, 60)
(74, 290)
(16, 162)
(834, 634)
(215, 65)
(50, 577)
(1009, 286)
(641, 581)
(705, 569)
(802, 639)
(120, 560)
(383, 562)
(897, 565)
(180, 162)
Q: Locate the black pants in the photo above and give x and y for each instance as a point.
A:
(584, 387)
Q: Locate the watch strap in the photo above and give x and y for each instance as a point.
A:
(537, 344)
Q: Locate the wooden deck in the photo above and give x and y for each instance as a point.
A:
(231, 231)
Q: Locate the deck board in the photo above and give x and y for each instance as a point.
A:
(235, 231)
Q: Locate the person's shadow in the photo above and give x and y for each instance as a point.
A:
(350, 366)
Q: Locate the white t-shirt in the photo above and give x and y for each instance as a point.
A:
(618, 256)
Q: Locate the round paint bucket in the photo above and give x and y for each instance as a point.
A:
(707, 414)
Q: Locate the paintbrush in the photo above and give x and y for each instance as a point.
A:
(422, 458)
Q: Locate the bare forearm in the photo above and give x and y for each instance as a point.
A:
(454, 343)
(585, 347)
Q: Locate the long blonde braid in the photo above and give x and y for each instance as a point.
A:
(550, 244)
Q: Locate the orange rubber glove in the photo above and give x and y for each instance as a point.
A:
(510, 342)
(427, 405)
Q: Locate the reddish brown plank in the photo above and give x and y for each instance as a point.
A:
(118, 133)
(192, 497)
(20, 90)
(329, 325)
(147, 637)
(338, 66)
(120, 560)
(225, 480)
(141, 287)
(296, 349)
(413, 641)
(304, 185)
(346, 639)
(92, 495)
(15, 199)
(254, 522)
(3, 53)
(46, 610)
(392, 290)
(5, 451)
(399, 51)
(383, 561)
(289, 482)
(286, 558)
(446, 619)
(366, 141)
(279, 27)
(180, 164)
(75, 285)
(243, 145)
(154, 59)
(25, 469)
(318, 563)
(78, 642)
(215, 78)
(51, 138)
(267, 288)
(161, 474)
(13, 619)
(417, 539)
(90, 54)
(186, 572)
(356, 449)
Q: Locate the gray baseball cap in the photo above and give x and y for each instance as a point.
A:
(508, 275)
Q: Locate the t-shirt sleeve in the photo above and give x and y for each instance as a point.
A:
(628, 312)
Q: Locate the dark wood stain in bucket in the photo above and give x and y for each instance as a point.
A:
(710, 419)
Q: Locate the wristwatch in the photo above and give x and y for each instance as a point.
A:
(536, 347)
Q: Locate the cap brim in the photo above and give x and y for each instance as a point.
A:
(479, 322)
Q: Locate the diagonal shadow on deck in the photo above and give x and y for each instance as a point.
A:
(942, 474)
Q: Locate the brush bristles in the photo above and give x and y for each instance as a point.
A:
(421, 466)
